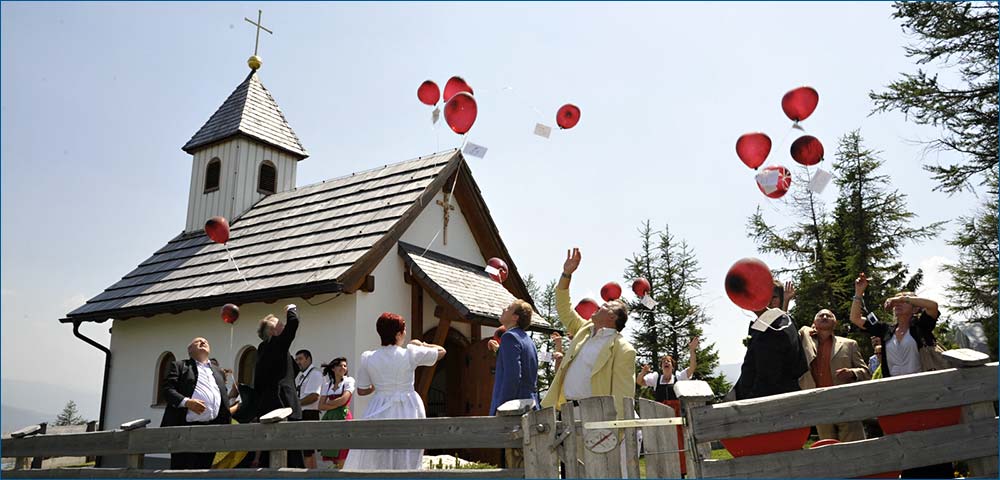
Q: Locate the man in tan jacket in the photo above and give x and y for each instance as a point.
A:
(832, 361)
(599, 361)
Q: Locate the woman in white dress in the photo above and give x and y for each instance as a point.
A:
(388, 372)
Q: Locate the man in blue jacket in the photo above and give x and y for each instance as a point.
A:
(517, 358)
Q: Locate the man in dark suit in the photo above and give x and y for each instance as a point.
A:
(274, 374)
(774, 360)
(196, 395)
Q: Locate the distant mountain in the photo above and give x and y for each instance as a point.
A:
(28, 402)
(730, 370)
(14, 418)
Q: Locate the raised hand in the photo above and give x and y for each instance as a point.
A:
(693, 345)
(572, 261)
(789, 291)
(860, 284)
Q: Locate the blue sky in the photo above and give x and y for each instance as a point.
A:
(97, 100)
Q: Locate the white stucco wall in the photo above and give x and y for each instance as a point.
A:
(136, 345)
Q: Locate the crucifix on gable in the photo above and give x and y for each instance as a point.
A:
(447, 207)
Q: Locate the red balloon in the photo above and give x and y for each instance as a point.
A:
(587, 308)
(502, 270)
(807, 150)
(784, 181)
(428, 92)
(217, 228)
(568, 116)
(455, 85)
(640, 287)
(798, 104)
(230, 313)
(611, 291)
(460, 112)
(498, 333)
(753, 148)
(749, 284)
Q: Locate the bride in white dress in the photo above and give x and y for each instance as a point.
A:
(388, 372)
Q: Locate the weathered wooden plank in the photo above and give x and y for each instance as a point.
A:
(631, 441)
(985, 467)
(866, 457)
(515, 408)
(428, 433)
(600, 464)
(662, 457)
(844, 403)
(697, 453)
(965, 357)
(135, 461)
(540, 459)
(67, 445)
(278, 458)
(262, 473)
(572, 444)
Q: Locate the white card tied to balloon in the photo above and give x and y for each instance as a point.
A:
(820, 181)
(768, 180)
(492, 271)
(545, 357)
(473, 150)
(435, 115)
(543, 130)
(648, 302)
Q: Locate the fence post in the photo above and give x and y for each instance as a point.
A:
(539, 429)
(36, 462)
(134, 461)
(514, 457)
(660, 443)
(693, 394)
(631, 440)
(91, 427)
(601, 447)
(572, 445)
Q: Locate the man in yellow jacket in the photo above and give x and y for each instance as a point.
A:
(599, 361)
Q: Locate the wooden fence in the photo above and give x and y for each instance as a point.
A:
(587, 441)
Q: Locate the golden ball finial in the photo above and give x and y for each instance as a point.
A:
(254, 62)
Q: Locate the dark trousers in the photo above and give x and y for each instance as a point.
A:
(191, 460)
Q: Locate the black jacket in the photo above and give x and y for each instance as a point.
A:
(774, 361)
(181, 379)
(274, 374)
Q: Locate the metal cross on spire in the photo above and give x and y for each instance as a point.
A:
(260, 27)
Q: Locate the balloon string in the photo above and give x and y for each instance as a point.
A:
(231, 339)
(235, 265)
(523, 103)
(431, 243)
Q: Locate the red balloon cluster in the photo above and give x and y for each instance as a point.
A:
(799, 103)
(454, 86)
(807, 150)
(640, 287)
(784, 179)
(460, 112)
(753, 148)
(749, 284)
(501, 267)
(568, 116)
(217, 228)
(428, 93)
(587, 308)
(611, 291)
(230, 313)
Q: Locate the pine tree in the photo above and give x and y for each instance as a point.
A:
(70, 416)
(869, 226)
(962, 36)
(671, 268)
(547, 309)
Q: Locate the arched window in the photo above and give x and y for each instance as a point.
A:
(245, 361)
(212, 173)
(162, 367)
(267, 178)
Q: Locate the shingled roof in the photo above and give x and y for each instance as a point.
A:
(322, 238)
(463, 285)
(250, 110)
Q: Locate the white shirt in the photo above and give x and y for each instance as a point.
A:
(650, 379)
(576, 386)
(346, 385)
(308, 382)
(207, 391)
(902, 356)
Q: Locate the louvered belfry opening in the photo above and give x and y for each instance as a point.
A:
(267, 178)
(212, 173)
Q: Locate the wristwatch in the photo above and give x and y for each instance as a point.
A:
(567, 275)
